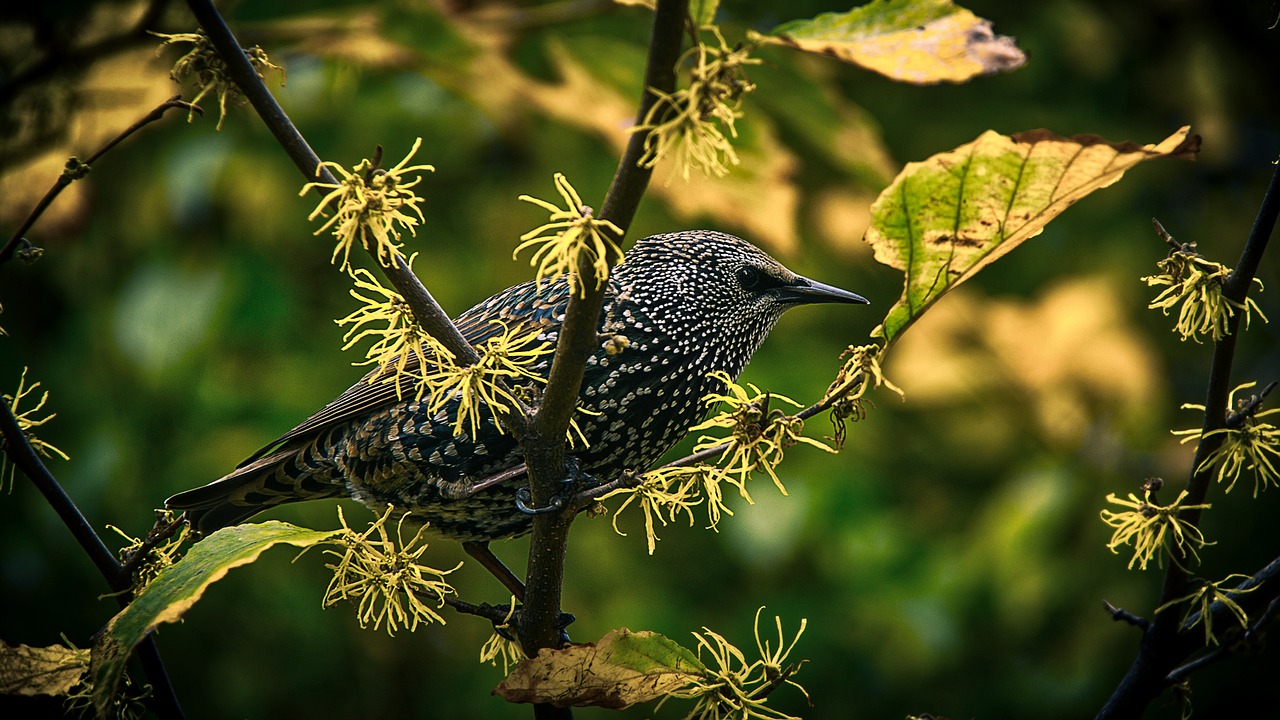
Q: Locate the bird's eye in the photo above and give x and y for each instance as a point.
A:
(748, 277)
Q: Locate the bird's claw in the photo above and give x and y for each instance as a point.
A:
(507, 629)
(574, 477)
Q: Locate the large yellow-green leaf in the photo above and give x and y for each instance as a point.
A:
(914, 41)
(178, 587)
(53, 670)
(622, 669)
(944, 219)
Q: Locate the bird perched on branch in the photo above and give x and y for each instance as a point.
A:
(679, 306)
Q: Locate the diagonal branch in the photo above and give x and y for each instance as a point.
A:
(426, 311)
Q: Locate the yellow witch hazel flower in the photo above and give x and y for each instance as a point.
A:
(670, 489)
(1194, 286)
(382, 575)
(502, 645)
(27, 423)
(576, 233)
(1151, 527)
(1200, 604)
(203, 64)
(860, 372)
(689, 125)
(506, 357)
(369, 204)
(387, 317)
(1253, 446)
(758, 436)
(734, 688)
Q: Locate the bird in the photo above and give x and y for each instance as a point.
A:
(678, 307)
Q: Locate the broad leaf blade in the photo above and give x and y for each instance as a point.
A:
(944, 219)
(915, 41)
(703, 12)
(178, 587)
(54, 670)
(624, 668)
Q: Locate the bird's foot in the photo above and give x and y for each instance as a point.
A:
(574, 478)
(508, 629)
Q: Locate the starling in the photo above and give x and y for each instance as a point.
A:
(678, 307)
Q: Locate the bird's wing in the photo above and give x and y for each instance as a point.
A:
(521, 309)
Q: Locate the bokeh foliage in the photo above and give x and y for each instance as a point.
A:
(950, 560)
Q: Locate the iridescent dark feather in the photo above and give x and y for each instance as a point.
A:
(686, 303)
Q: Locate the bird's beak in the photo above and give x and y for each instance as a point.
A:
(804, 290)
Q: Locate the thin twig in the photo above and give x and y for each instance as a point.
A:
(1223, 652)
(1122, 614)
(71, 174)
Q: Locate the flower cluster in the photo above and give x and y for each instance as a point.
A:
(203, 64)
(689, 125)
(1151, 527)
(162, 547)
(1249, 446)
(370, 204)
(758, 436)
(860, 372)
(1194, 286)
(734, 688)
(670, 489)
(1200, 604)
(382, 575)
(27, 423)
(502, 645)
(400, 338)
(576, 235)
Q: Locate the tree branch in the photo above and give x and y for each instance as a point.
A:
(163, 701)
(426, 311)
(1164, 644)
(544, 444)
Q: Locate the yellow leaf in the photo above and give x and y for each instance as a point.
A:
(622, 669)
(914, 41)
(53, 670)
(944, 219)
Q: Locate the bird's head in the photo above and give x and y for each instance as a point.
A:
(706, 284)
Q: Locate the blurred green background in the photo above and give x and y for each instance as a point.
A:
(950, 560)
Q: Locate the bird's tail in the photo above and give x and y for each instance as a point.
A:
(292, 473)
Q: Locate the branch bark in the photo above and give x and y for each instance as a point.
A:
(1164, 644)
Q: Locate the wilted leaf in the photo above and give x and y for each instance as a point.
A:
(915, 41)
(178, 587)
(622, 669)
(53, 670)
(944, 219)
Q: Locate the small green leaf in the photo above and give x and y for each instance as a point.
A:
(914, 41)
(944, 219)
(703, 12)
(53, 670)
(178, 587)
(622, 669)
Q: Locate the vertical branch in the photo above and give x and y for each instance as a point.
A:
(544, 443)
(1160, 650)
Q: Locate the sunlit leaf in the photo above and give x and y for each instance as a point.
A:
(703, 12)
(53, 670)
(178, 587)
(915, 41)
(622, 669)
(944, 219)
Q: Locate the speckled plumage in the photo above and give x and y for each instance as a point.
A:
(688, 303)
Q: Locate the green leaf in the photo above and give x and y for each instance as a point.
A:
(944, 219)
(622, 669)
(178, 587)
(703, 12)
(914, 41)
(53, 670)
